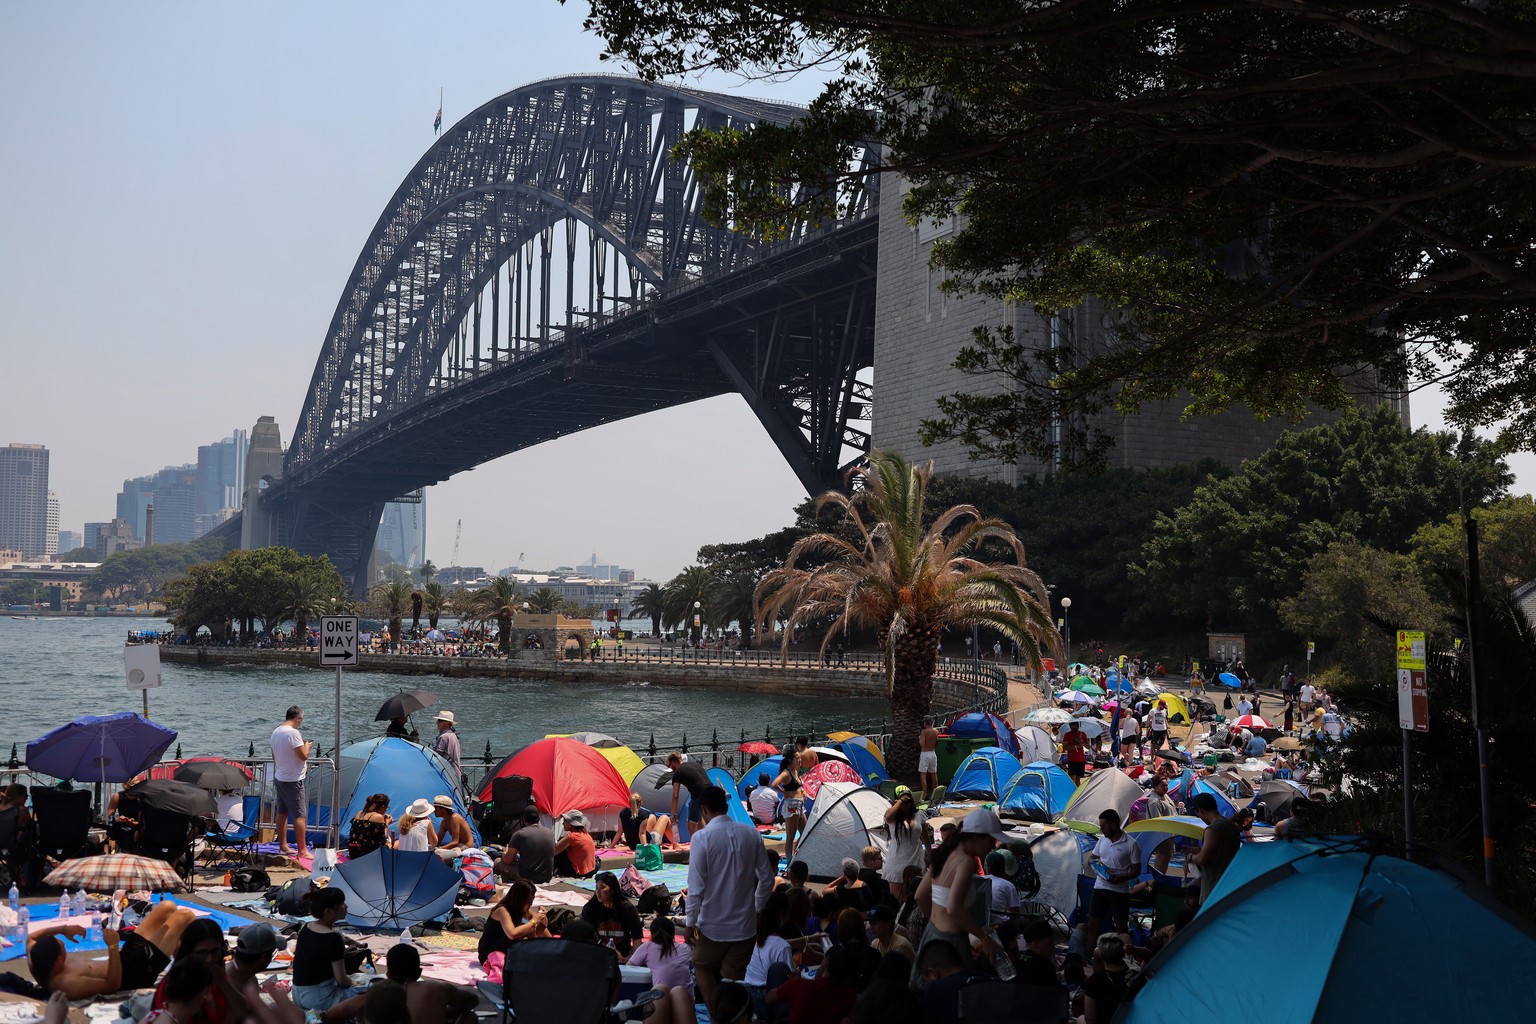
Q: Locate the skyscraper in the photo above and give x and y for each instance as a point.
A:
(24, 499)
(52, 536)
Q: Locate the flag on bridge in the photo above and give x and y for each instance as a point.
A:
(437, 122)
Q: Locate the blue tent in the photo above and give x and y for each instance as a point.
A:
(983, 775)
(976, 725)
(862, 761)
(1224, 805)
(722, 778)
(1114, 682)
(769, 766)
(1368, 937)
(402, 770)
(1040, 792)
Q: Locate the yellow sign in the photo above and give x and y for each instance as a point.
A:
(1311, 648)
(1410, 649)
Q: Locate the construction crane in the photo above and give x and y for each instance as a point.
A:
(458, 531)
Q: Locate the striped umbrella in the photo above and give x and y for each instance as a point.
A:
(112, 871)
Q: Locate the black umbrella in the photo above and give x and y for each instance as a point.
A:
(213, 775)
(175, 797)
(406, 702)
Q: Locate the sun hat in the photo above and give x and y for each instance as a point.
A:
(574, 819)
(982, 822)
(419, 809)
(443, 800)
(445, 716)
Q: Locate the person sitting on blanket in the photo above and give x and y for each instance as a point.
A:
(427, 1000)
(320, 978)
(613, 915)
(203, 940)
(671, 964)
(575, 852)
(187, 986)
(637, 825)
(132, 962)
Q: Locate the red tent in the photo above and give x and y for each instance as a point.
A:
(567, 775)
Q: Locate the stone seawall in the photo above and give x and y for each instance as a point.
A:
(755, 677)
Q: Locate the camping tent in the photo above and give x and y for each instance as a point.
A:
(769, 766)
(1178, 711)
(658, 801)
(862, 759)
(846, 820)
(1059, 859)
(737, 809)
(983, 775)
(1223, 805)
(567, 776)
(1365, 940)
(624, 760)
(1040, 792)
(1035, 744)
(1105, 788)
(976, 725)
(402, 770)
(1276, 796)
(1151, 833)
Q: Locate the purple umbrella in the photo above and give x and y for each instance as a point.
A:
(100, 748)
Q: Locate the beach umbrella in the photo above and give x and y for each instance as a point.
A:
(213, 773)
(1251, 722)
(100, 748)
(404, 704)
(175, 797)
(1176, 756)
(434, 634)
(1074, 697)
(1091, 726)
(758, 747)
(825, 772)
(1049, 716)
(1287, 743)
(112, 871)
(858, 740)
(396, 889)
(1230, 680)
(1083, 684)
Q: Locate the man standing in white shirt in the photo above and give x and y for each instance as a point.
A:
(1116, 859)
(729, 879)
(1308, 694)
(290, 754)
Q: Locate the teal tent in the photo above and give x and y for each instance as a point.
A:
(983, 775)
(1040, 792)
(1367, 937)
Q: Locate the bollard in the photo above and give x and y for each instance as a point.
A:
(684, 747)
(651, 747)
(178, 751)
(251, 753)
(487, 756)
(13, 763)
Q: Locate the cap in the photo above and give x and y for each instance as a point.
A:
(256, 940)
(903, 790)
(574, 819)
(419, 809)
(1004, 862)
(982, 822)
(445, 716)
(443, 800)
(881, 912)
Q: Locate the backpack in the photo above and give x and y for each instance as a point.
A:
(632, 883)
(657, 899)
(479, 874)
(648, 857)
(1226, 702)
(1027, 878)
(290, 897)
(249, 880)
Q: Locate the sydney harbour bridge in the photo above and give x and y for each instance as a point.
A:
(546, 268)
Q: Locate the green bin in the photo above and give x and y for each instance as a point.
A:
(953, 751)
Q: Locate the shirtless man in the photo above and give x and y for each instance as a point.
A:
(454, 836)
(133, 961)
(928, 757)
(805, 757)
(427, 1000)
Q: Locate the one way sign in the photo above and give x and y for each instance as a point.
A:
(338, 640)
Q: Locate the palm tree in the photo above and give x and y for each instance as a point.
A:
(499, 600)
(434, 601)
(393, 598)
(731, 600)
(546, 601)
(908, 581)
(688, 588)
(649, 604)
(427, 571)
(308, 598)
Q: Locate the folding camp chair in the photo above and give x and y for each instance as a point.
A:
(236, 837)
(557, 981)
(167, 836)
(15, 845)
(63, 823)
(1005, 1002)
(937, 796)
(510, 796)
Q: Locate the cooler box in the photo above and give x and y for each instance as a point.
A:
(953, 750)
(633, 981)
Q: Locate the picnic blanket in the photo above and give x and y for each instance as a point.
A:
(45, 915)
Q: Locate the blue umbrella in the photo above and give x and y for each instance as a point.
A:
(1228, 679)
(100, 748)
(396, 889)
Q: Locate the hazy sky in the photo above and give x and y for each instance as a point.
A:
(186, 189)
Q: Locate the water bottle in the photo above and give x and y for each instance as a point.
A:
(1002, 963)
(77, 906)
(406, 939)
(23, 923)
(14, 896)
(64, 905)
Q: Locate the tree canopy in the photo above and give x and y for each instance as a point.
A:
(1267, 195)
(269, 584)
(142, 572)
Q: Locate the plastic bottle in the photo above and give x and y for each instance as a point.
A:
(14, 896)
(1002, 963)
(65, 906)
(406, 939)
(77, 906)
(23, 922)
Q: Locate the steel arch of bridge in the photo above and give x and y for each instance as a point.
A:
(788, 326)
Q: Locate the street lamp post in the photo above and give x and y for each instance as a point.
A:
(698, 627)
(1066, 626)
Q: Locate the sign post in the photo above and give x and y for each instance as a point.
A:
(141, 666)
(338, 647)
(1311, 649)
(1412, 710)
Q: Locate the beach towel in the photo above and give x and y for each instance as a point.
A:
(44, 915)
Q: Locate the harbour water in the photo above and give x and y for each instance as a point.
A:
(54, 670)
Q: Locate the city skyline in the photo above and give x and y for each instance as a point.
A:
(227, 165)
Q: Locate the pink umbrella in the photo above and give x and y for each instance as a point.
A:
(1110, 705)
(828, 771)
(1251, 722)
